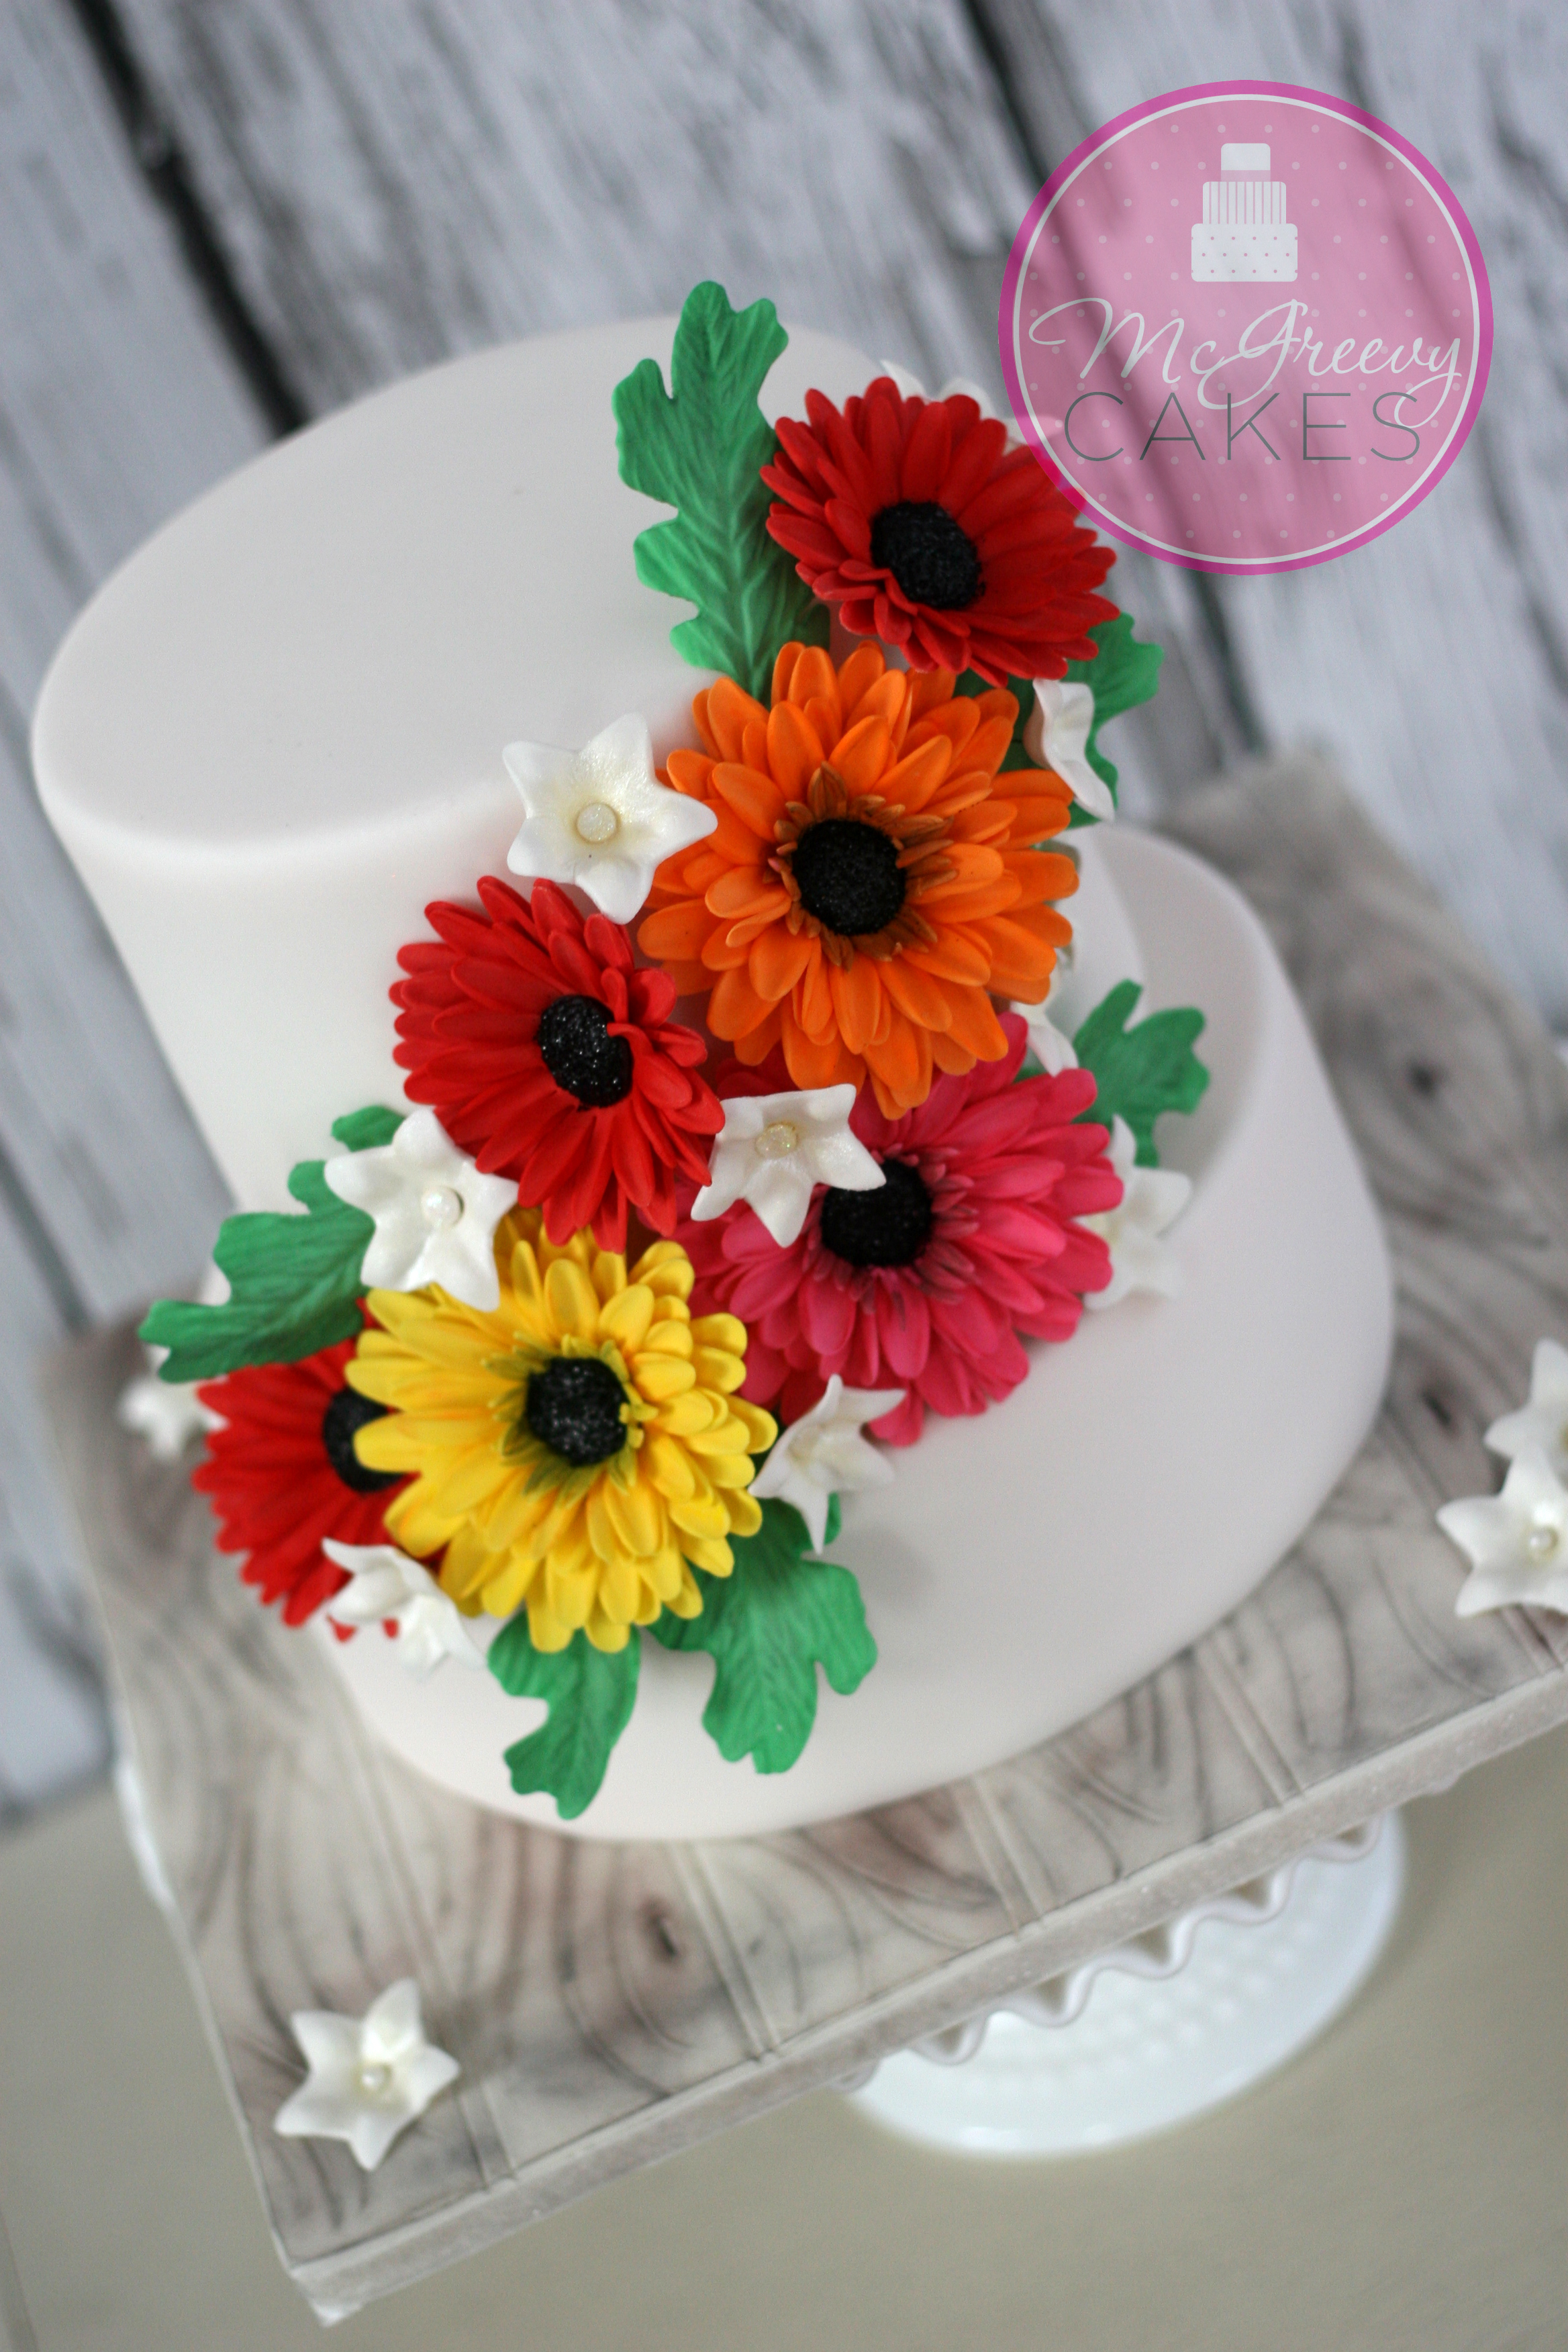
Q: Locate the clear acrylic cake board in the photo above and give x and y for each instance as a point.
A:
(612, 2004)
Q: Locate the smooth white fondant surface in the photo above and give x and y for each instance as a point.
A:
(277, 732)
(1025, 1566)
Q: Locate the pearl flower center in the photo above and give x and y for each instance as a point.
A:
(373, 2077)
(1542, 1540)
(441, 1207)
(778, 1139)
(598, 821)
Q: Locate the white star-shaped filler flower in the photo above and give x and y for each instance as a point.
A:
(1056, 735)
(388, 1588)
(1542, 1421)
(1151, 1199)
(370, 2076)
(1517, 1542)
(823, 1453)
(772, 1149)
(166, 1413)
(436, 1215)
(1051, 1047)
(599, 818)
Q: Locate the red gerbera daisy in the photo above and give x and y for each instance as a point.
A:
(915, 519)
(925, 1284)
(550, 1057)
(282, 1473)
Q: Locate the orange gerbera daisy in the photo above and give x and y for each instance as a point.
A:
(873, 879)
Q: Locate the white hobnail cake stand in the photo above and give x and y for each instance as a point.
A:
(1160, 2029)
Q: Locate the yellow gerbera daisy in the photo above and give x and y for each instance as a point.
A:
(580, 1449)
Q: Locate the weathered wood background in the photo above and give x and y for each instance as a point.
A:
(217, 222)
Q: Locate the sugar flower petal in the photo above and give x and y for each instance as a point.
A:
(434, 1213)
(1057, 734)
(369, 2077)
(1051, 1047)
(1516, 1542)
(386, 1587)
(962, 387)
(773, 1150)
(1151, 1199)
(166, 1413)
(824, 1455)
(599, 818)
(1542, 1421)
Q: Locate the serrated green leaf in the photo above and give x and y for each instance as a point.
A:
(700, 448)
(294, 1282)
(1142, 1072)
(1123, 674)
(835, 1521)
(767, 1626)
(589, 1693)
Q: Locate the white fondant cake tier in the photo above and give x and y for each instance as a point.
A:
(277, 734)
(1026, 1565)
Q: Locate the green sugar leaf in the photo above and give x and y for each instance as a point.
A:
(767, 1626)
(1122, 675)
(701, 448)
(294, 1282)
(1144, 1071)
(589, 1693)
(369, 1129)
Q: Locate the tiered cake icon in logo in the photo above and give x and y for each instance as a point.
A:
(1243, 238)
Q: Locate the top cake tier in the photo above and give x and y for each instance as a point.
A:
(360, 619)
(276, 734)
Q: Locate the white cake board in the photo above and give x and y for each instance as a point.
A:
(1157, 2031)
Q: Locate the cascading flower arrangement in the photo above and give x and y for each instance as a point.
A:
(592, 1341)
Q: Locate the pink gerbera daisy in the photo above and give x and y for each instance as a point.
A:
(927, 1282)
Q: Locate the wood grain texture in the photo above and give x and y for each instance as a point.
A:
(1467, 600)
(611, 2003)
(114, 409)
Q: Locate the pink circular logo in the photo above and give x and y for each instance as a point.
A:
(1245, 327)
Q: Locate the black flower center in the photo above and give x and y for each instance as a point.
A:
(887, 1227)
(933, 560)
(348, 1412)
(574, 1406)
(848, 875)
(580, 1055)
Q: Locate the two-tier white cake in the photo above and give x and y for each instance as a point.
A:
(275, 735)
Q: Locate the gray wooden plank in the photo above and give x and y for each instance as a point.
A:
(54, 1731)
(610, 2004)
(435, 177)
(1465, 604)
(115, 407)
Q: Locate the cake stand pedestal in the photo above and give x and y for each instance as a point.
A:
(1157, 2031)
(610, 2004)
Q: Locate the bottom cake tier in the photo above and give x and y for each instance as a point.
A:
(1025, 1566)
